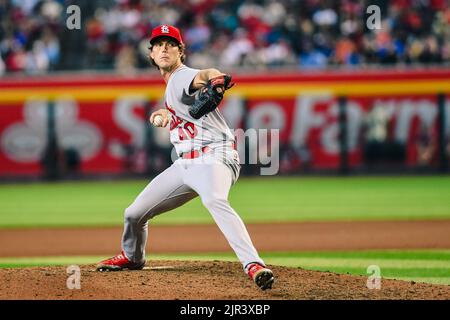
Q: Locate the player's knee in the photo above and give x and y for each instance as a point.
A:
(211, 202)
(132, 215)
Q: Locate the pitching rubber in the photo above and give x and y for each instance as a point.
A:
(106, 268)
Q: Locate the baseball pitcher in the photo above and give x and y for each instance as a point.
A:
(208, 163)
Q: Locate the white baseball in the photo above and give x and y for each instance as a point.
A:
(158, 120)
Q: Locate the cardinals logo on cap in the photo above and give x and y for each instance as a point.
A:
(164, 29)
(167, 31)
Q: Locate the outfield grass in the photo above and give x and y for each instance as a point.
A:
(429, 266)
(261, 199)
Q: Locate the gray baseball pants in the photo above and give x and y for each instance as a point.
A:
(184, 180)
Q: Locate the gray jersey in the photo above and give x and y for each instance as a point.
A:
(187, 133)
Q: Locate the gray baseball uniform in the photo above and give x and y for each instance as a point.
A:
(209, 170)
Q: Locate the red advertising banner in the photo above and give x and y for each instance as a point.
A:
(103, 118)
(310, 125)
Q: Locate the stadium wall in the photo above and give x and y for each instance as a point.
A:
(102, 117)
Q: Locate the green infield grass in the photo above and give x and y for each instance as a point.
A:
(430, 266)
(262, 199)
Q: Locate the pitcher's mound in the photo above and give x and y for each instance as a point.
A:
(199, 280)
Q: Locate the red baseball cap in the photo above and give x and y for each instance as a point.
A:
(166, 31)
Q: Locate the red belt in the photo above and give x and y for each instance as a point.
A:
(196, 153)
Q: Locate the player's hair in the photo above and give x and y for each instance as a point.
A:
(181, 47)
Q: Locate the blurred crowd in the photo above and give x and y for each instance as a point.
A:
(259, 34)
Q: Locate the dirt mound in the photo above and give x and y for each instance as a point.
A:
(195, 280)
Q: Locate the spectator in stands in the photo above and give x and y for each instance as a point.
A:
(376, 132)
(126, 60)
(260, 34)
(2, 67)
(426, 144)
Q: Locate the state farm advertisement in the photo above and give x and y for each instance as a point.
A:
(103, 132)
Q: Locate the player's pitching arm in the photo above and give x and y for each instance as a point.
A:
(164, 113)
(203, 76)
(200, 80)
(212, 84)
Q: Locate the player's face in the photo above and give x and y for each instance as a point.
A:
(165, 52)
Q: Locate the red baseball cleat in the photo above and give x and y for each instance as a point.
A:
(262, 276)
(119, 262)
